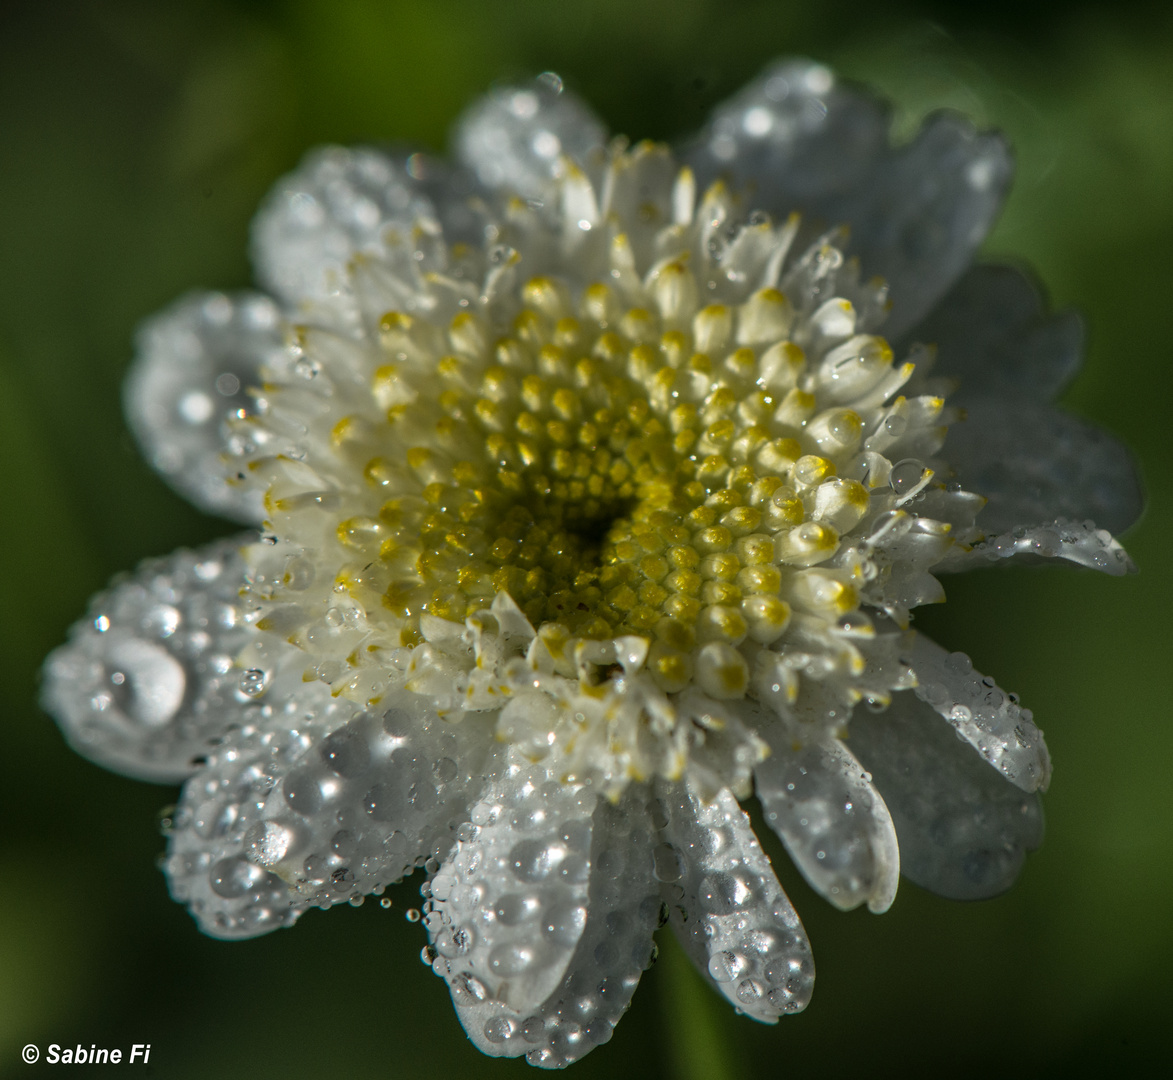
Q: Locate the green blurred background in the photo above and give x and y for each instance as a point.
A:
(137, 137)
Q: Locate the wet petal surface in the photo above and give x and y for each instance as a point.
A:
(820, 801)
(148, 679)
(1080, 543)
(609, 931)
(321, 801)
(964, 830)
(521, 861)
(195, 365)
(917, 212)
(727, 907)
(985, 716)
(517, 136)
(992, 331)
(1035, 463)
(340, 203)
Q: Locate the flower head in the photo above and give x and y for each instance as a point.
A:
(593, 500)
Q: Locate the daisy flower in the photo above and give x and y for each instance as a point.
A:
(592, 486)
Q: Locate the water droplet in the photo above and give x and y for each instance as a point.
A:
(749, 992)
(346, 751)
(666, 863)
(233, 877)
(514, 908)
(316, 868)
(564, 925)
(498, 1029)
(467, 989)
(165, 819)
(384, 803)
(512, 959)
(467, 833)
(303, 793)
(385, 903)
(145, 682)
(462, 940)
(906, 475)
(227, 384)
(533, 860)
(781, 999)
(610, 863)
(958, 663)
(726, 966)
(266, 843)
(252, 683)
(412, 915)
(576, 835)
(722, 894)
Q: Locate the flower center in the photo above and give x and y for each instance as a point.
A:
(616, 454)
(611, 477)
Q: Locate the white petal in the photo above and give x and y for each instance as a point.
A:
(1081, 543)
(919, 218)
(147, 678)
(229, 895)
(621, 912)
(1035, 463)
(727, 907)
(340, 203)
(964, 830)
(796, 132)
(515, 137)
(917, 212)
(822, 804)
(195, 364)
(315, 802)
(993, 332)
(986, 717)
(522, 862)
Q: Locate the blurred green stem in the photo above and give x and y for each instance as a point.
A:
(697, 1047)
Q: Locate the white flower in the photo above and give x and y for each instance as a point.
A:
(593, 502)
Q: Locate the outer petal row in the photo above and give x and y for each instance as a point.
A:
(323, 803)
(981, 713)
(727, 907)
(964, 830)
(820, 801)
(1036, 464)
(148, 680)
(993, 332)
(196, 362)
(516, 137)
(917, 212)
(340, 203)
(542, 918)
